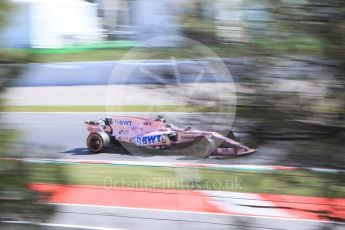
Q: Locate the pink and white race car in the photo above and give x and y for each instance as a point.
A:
(147, 133)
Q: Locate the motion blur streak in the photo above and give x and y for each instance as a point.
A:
(271, 72)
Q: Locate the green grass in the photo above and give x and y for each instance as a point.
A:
(120, 44)
(115, 50)
(291, 45)
(83, 55)
(119, 108)
(140, 53)
(294, 183)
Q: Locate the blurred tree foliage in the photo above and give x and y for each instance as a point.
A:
(315, 113)
(297, 98)
(4, 13)
(17, 202)
(196, 18)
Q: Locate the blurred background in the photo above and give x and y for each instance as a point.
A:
(286, 60)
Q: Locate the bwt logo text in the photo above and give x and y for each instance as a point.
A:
(148, 139)
(122, 122)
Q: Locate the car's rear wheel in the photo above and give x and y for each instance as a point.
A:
(96, 142)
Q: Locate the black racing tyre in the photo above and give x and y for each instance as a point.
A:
(96, 142)
(202, 148)
(225, 144)
(231, 135)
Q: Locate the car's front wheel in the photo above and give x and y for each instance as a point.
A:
(202, 148)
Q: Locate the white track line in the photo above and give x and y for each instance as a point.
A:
(198, 213)
(194, 113)
(68, 226)
(241, 203)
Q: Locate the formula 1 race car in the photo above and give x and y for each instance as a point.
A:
(147, 133)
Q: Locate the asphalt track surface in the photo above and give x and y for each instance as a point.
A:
(63, 135)
(106, 218)
(101, 73)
